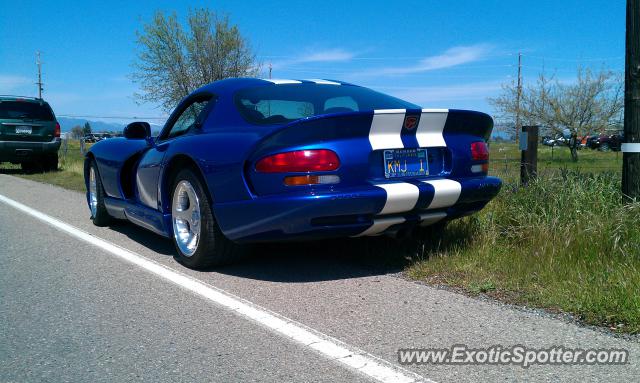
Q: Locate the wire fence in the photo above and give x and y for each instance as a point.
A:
(508, 167)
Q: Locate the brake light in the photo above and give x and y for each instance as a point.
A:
(314, 160)
(56, 132)
(479, 151)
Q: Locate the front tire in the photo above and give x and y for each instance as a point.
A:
(196, 234)
(99, 214)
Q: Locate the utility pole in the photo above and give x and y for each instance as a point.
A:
(518, 95)
(39, 83)
(631, 147)
(270, 69)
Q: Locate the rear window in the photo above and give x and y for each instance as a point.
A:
(280, 104)
(25, 110)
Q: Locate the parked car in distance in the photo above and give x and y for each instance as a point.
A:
(29, 133)
(606, 142)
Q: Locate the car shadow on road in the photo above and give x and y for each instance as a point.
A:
(18, 171)
(299, 262)
(12, 171)
(320, 260)
(146, 238)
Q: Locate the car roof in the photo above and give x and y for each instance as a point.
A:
(6, 97)
(232, 85)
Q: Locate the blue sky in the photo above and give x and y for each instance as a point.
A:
(451, 54)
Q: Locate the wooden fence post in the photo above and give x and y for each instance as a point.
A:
(529, 156)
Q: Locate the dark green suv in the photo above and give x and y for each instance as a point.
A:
(29, 133)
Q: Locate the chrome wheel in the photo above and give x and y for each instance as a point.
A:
(185, 214)
(93, 194)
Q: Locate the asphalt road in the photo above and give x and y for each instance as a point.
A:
(72, 311)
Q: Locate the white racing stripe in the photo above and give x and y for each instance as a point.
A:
(279, 81)
(401, 197)
(431, 218)
(380, 225)
(429, 133)
(344, 354)
(386, 127)
(323, 82)
(446, 194)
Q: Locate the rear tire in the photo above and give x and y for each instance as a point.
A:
(604, 147)
(28, 167)
(196, 235)
(99, 214)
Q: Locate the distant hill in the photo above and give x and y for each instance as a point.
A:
(66, 124)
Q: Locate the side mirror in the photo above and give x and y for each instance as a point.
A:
(138, 130)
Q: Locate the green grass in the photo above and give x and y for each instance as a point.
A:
(565, 243)
(505, 161)
(69, 174)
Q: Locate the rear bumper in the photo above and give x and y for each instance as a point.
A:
(17, 151)
(368, 210)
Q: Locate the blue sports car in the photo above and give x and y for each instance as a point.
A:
(250, 160)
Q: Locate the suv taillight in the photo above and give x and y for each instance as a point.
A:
(56, 132)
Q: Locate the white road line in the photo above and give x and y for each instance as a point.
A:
(334, 349)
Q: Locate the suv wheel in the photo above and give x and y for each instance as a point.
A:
(28, 166)
(604, 147)
(51, 162)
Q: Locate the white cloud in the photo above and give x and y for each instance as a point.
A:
(14, 83)
(325, 56)
(445, 96)
(451, 57)
(332, 55)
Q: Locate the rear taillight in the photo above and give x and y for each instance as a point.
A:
(56, 132)
(314, 160)
(479, 151)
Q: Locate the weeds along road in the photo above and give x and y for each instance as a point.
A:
(71, 310)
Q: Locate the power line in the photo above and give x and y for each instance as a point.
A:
(112, 117)
(576, 60)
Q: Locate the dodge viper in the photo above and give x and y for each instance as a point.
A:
(251, 160)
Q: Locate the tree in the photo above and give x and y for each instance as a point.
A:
(590, 104)
(86, 129)
(171, 63)
(77, 132)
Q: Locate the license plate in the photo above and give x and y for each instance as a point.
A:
(405, 163)
(23, 130)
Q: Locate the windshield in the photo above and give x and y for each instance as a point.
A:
(25, 110)
(285, 103)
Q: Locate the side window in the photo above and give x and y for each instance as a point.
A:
(188, 118)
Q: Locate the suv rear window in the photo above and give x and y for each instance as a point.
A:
(280, 104)
(26, 110)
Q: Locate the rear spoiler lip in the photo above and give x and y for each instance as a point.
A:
(475, 129)
(365, 112)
